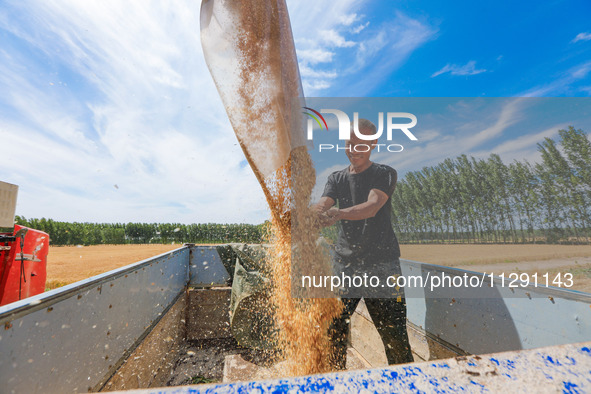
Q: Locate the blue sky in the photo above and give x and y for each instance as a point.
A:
(109, 114)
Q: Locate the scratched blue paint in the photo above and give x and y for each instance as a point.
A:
(317, 385)
(548, 376)
(410, 371)
(586, 349)
(413, 388)
(551, 360)
(514, 370)
(477, 384)
(391, 374)
(570, 388)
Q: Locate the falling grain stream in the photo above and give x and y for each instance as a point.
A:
(248, 46)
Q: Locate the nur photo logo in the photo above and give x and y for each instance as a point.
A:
(345, 127)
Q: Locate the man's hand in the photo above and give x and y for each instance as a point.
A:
(328, 214)
(329, 217)
(334, 213)
(323, 205)
(326, 221)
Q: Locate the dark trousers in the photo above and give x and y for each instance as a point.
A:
(389, 317)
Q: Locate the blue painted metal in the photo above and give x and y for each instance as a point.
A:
(70, 339)
(563, 368)
(207, 269)
(485, 320)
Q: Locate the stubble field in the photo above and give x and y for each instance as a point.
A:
(68, 264)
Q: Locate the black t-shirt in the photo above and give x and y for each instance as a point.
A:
(370, 240)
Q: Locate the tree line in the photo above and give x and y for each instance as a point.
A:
(487, 201)
(461, 200)
(68, 233)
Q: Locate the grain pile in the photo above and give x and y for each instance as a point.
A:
(249, 50)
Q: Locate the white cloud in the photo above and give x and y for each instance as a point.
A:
(582, 37)
(315, 85)
(332, 38)
(430, 134)
(524, 146)
(308, 18)
(563, 84)
(467, 69)
(471, 133)
(318, 29)
(581, 71)
(307, 72)
(347, 20)
(358, 29)
(329, 27)
(314, 56)
(104, 93)
(399, 38)
(369, 49)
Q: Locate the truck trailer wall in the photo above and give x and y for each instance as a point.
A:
(487, 319)
(72, 339)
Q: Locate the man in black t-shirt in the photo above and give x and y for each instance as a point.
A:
(366, 244)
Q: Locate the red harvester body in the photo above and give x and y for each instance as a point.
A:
(23, 261)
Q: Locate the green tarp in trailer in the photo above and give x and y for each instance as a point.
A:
(250, 310)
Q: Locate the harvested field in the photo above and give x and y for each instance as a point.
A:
(530, 259)
(68, 264)
(465, 255)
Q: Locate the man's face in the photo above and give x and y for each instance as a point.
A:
(358, 150)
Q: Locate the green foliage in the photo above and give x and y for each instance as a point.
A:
(486, 201)
(201, 379)
(65, 233)
(330, 233)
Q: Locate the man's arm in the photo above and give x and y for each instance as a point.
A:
(323, 204)
(375, 201)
